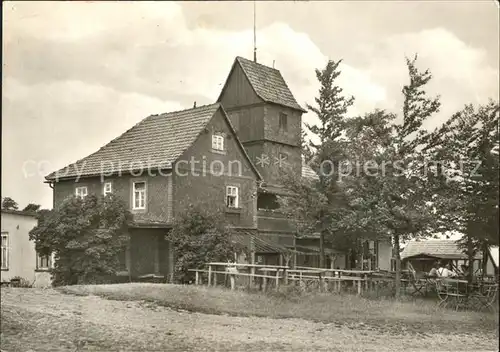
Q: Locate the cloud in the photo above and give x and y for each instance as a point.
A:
(297, 57)
(78, 74)
(461, 73)
(158, 54)
(49, 125)
(65, 21)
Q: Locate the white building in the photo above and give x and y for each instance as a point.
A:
(18, 258)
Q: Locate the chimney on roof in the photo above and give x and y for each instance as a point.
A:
(194, 105)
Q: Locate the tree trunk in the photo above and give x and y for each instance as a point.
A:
(470, 256)
(397, 258)
(322, 249)
(484, 261)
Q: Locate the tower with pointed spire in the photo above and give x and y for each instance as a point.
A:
(266, 117)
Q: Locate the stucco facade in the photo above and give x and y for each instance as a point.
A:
(18, 256)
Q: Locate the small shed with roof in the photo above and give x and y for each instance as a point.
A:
(422, 255)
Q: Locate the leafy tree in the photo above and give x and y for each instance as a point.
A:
(307, 153)
(355, 201)
(367, 148)
(32, 207)
(313, 211)
(467, 149)
(385, 192)
(331, 108)
(390, 203)
(394, 201)
(42, 214)
(86, 236)
(199, 236)
(9, 204)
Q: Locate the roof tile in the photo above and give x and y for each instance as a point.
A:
(155, 142)
(308, 172)
(447, 249)
(268, 83)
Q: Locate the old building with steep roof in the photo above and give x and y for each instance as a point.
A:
(229, 156)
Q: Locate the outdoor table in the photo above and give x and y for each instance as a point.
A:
(483, 294)
(422, 285)
(459, 293)
(451, 291)
(419, 286)
(459, 285)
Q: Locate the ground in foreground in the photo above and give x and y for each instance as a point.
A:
(47, 320)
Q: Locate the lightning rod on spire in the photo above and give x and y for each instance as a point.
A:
(254, 34)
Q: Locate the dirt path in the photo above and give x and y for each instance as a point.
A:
(45, 320)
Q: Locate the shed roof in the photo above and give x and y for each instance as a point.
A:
(267, 82)
(315, 250)
(445, 249)
(308, 172)
(261, 245)
(242, 237)
(156, 142)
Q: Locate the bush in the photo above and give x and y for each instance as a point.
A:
(86, 236)
(199, 236)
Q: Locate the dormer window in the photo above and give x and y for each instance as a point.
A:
(283, 121)
(81, 192)
(218, 142)
(107, 188)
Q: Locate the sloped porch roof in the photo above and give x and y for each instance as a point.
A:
(443, 249)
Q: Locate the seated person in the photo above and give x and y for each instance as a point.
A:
(433, 272)
(446, 271)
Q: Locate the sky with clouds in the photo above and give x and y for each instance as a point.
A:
(78, 74)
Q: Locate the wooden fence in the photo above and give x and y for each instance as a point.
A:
(276, 275)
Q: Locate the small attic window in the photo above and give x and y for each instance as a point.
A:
(283, 121)
(217, 142)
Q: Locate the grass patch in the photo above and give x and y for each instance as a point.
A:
(416, 316)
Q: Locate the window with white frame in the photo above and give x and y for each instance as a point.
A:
(81, 192)
(4, 255)
(43, 262)
(139, 195)
(232, 197)
(218, 142)
(107, 188)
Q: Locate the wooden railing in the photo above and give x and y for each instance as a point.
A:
(280, 273)
(277, 275)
